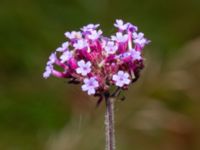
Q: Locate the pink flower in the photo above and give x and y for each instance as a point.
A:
(120, 25)
(80, 44)
(83, 67)
(99, 62)
(139, 40)
(64, 47)
(52, 59)
(66, 56)
(90, 27)
(90, 84)
(73, 35)
(111, 47)
(120, 37)
(136, 55)
(47, 72)
(121, 78)
(95, 34)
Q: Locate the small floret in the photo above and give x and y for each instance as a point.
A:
(83, 67)
(121, 78)
(90, 85)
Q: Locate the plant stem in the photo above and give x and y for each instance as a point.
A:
(109, 123)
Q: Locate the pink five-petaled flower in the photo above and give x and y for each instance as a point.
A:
(95, 34)
(73, 35)
(111, 47)
(120, 37)
(49, 67)
(63, 48)
(136, 55)
(120, 25)
(90, 84)
(67, 55)
(47, 72)
(52, 59)
(80, 44)
(138, 38)
(83, 67)
(141, 42)
(121, 78)
(90, 27)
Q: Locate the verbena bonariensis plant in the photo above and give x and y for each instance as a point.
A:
(104, 66)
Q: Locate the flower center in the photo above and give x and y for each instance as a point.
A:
(85, 68)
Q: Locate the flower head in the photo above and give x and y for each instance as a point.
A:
(90, 85)
(99, 62)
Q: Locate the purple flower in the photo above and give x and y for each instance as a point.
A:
(120, 25)
(66, 56)
(136, 55)
(138, 35)
(48, 71)
(73, 35)
(110, 47)
(83, 67)
(90, 84)
(97, 61)
(120, 37)
(121, 78)
(94, 34)
(64, 47)
(90, 27)
(142, 42)
(52, 59)
(138, 38)
(80, 44)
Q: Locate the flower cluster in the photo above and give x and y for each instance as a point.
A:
(99, 62)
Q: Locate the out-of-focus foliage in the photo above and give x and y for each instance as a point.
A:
(161, 110)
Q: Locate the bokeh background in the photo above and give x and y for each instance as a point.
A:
(161, 110)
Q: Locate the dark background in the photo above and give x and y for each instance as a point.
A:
(162, 109)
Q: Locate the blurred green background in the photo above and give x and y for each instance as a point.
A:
(162, 109)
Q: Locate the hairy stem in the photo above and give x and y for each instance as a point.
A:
(109, 123)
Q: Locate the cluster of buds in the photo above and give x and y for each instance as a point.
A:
(99, 62)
